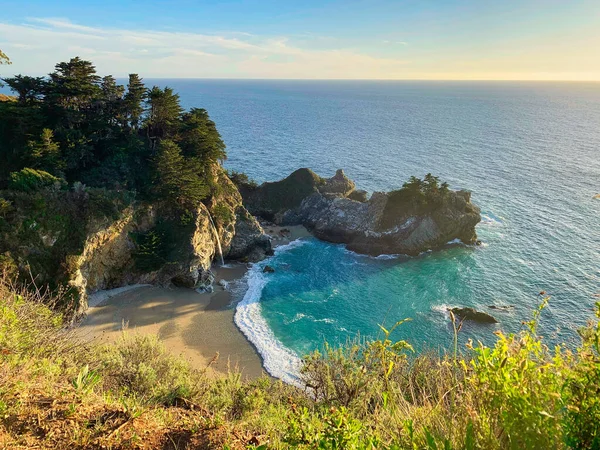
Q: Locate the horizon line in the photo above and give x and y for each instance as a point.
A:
(515, 80)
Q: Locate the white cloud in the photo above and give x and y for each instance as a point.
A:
(388, 42)
(36, 45)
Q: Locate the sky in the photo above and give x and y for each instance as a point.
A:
(308, 39)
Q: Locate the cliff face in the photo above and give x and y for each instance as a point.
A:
(109, 256)
(85, 240)
(335, 212)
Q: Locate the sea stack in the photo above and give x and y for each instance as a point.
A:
(408, 221)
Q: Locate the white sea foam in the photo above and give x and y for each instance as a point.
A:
(380, 257)
(385, 257)
(442, 309)
(278, 360)
(456, 241)
(490, 220)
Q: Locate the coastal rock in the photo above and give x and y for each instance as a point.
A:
(359, 195)
(268, 269)
(108, 257)
(473, 315)
(250, 240)
(272, 198)
(377, 226)
(502, 307)
(338, 185)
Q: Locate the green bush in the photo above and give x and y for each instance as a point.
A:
(150, 252)
(28, 180)
(241, 180)
(140, 365)
(222, 214)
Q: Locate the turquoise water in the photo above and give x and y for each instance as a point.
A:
(529, 152)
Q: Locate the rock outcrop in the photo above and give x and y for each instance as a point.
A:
(334, 211)
(472, 315)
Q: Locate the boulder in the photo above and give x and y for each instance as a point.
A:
(268, 269)
(471, 314)
(358, 195)
(338, 185)
(249, 240)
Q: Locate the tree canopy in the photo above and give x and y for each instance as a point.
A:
(78, 126)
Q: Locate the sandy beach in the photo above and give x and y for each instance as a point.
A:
(196, 326)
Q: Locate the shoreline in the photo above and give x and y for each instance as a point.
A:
(199, 327)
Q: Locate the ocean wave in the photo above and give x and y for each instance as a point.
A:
(491, 219)
(301, 316)
(443, 309)
(379, 257)
(278, 360)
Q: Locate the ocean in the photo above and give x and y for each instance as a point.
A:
(528, 151)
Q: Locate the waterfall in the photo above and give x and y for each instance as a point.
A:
(217, 236)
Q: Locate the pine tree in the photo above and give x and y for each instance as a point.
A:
(112, 100)
(164, 113)
(45, 153)
(29, 89)
(134, 99)
(178, 177)
(200, 138)
(74, 84)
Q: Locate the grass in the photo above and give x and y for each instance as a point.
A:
(56, 392)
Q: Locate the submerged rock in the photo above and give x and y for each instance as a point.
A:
(334, 211)
(502, 307)
(268, 269)
(473, 315)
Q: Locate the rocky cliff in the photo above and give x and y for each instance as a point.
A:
(85, 240)
(333, 210)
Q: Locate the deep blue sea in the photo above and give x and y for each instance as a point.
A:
(529, 152)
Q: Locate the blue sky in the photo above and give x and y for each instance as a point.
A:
(381, 39)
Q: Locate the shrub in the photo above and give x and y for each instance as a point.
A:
(142, 366)
(417, 196)
(150, 251)
(28, 180)
(241, 180)
(222, 214)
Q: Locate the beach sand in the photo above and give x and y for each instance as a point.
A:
(193, 325)
(196, 326)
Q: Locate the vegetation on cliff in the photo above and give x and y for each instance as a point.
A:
(78, 126)
(416, 197)
(56, 392)
(77, 149)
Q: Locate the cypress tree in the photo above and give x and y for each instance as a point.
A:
(136, 94)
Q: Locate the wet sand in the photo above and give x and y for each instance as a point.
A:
(196, 326)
